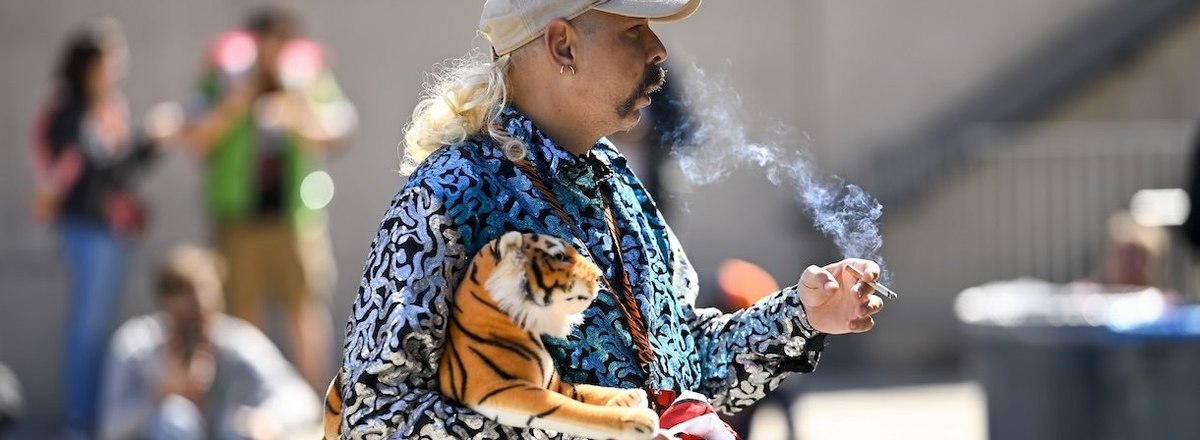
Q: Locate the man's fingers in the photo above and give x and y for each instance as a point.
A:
(870, 306)
(862, 324)
(867, 268)
(818, 279)
(862, 290)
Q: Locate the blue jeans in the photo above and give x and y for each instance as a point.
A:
(96, 261)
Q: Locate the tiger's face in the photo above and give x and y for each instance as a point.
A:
(542, 282)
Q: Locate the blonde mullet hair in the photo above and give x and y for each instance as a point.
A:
(463, 98)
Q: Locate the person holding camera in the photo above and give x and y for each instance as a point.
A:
(191, 371)
(266, 112)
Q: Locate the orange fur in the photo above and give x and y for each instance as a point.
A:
(498, 368)
(332, 420)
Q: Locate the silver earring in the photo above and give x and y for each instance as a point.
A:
(563, 68)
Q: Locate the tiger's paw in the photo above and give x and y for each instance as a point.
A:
(639, 424)
(630, 398)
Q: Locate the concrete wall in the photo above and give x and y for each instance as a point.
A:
(847, 72)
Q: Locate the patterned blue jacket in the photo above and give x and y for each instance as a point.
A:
(467, 194)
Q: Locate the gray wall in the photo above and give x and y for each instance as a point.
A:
(849, 73)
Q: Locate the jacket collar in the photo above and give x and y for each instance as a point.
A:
(552, 160)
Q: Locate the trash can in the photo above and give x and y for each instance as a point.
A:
(1155, 372)
(1040, 350)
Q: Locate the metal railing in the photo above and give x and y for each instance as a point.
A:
(1043, 198)
(1027, 91)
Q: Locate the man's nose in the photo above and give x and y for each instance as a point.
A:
(656, 53)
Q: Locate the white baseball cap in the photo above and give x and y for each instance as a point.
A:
(510, 24)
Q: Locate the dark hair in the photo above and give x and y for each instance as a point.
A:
(184, 266)
(83, 50)
(273, 21)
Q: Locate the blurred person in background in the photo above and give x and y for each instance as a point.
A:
(189, 371)
(266, 111)
(87, 155)
(1133, 254)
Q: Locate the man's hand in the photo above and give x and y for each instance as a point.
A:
(203, 135)
(836, 302)
(257, 423)
(189, 378)
(163, 122)
(45, 204)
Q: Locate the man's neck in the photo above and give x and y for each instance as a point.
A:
(556, 123)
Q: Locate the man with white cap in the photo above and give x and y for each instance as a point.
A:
(514, 140)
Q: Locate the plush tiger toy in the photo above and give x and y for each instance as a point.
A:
(517, 288)
(332, 420)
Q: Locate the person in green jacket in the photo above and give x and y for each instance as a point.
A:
(266, 111)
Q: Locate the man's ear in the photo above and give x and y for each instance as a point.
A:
(559, 40)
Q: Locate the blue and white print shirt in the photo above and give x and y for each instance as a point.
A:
(467, 194)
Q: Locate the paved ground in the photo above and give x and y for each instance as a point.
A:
(950, 410)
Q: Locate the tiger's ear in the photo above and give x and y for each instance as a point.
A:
(510, 242)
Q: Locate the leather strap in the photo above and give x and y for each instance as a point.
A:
(625, 299)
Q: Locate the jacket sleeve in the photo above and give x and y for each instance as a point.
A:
(276, 386)
(749, 351)
(142, 155)
(56, 158)
(126, 403)
(398, 323)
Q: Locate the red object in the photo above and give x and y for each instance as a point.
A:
(301, 60)
(126, 214)
(691, 418)
(300, 63)
(660, 400)
(743, 283)
(233, 52)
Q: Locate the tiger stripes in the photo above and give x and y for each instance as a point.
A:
(496, 364)
(500, 368)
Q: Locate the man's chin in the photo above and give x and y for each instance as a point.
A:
(643, 101)
(631, 120)
(640, 103)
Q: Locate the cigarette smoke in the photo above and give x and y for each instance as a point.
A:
(711, 139)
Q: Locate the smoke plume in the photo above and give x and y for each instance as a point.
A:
(710, 139)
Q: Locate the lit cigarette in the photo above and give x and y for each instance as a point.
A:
(878, 287)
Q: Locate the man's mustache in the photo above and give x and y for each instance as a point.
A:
(654, 79)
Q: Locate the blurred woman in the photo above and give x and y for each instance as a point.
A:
(86, 157)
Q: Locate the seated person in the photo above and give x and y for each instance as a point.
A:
(190, 371)
(1134, 252)
(1132, 255)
